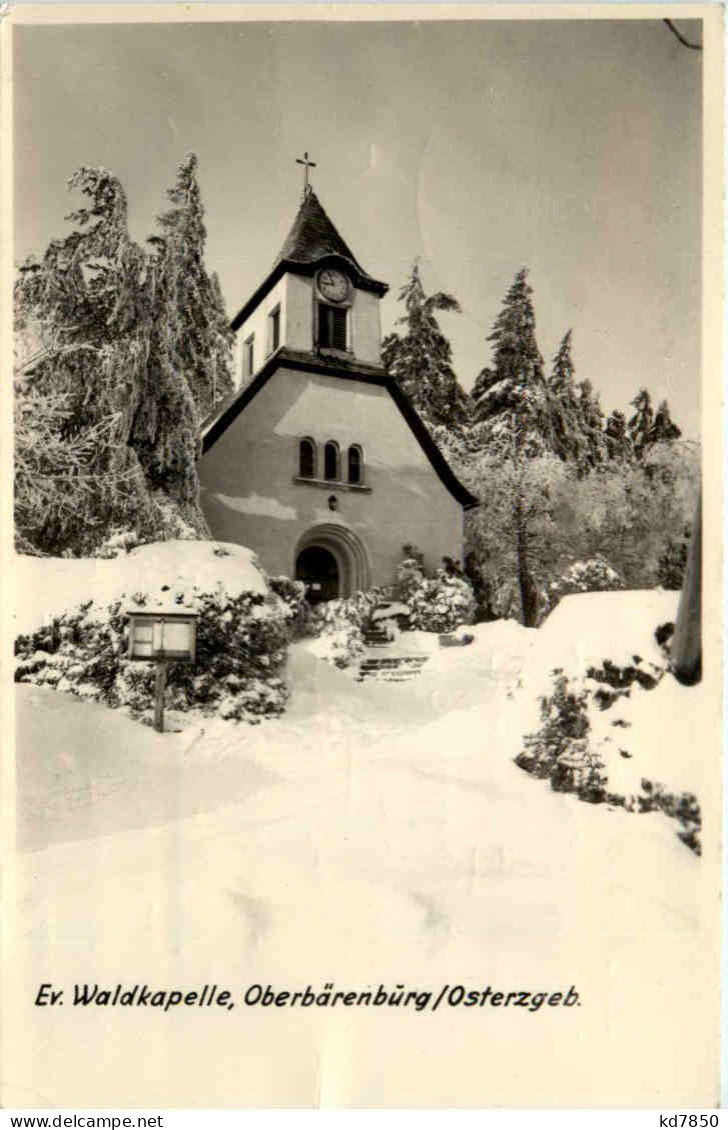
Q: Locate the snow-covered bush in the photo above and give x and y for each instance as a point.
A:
(438, 602)
(593, 575)
(340, 625)
(579, 753)
(560, 749)
(673, 561)
(298, 610)
(242, 635)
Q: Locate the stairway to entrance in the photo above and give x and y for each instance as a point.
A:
(384, 662)
(375, 636)
(391, 668)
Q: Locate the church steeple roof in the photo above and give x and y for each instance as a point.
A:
(313, 236)
(312, 241)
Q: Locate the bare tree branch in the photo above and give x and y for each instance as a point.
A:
(678, 35)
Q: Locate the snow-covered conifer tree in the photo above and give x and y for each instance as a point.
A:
(97, 313)
(569, 441)
(664, 428)
(420, 358)
(510, 396)
(617, 437)
(591, 424)
(200, 338)
(641, 423)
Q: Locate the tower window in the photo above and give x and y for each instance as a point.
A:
(274, 331)
(331, 460)
(249, 356)
(355, 462)
(331, 327)
(307, 459)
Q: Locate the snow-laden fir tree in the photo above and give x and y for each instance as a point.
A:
(664, 429)
(165, 429)
(640, 424)
(513, 427)
(569, 442)
(511, 396)
(647, 427)
(420, 357)
(557, 485)
(617, 438)
(116, 449)
(200, 338)
(591, 426)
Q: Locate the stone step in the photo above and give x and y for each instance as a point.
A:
(375, 678)
(391, 668)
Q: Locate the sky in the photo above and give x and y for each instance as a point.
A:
(572, 148)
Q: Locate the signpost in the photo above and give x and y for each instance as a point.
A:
(164, 635)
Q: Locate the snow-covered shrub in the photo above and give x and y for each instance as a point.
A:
(578, 754)
(673, 561)
(560, 749)
(592, 575)
(242, 639)
(437, 602)
(340, 625)
(663, 638)
(298, 610)
(682, 806)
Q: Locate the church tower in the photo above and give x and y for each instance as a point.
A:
(319, 462)
(316, 299)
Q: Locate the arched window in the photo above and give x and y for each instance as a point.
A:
(355, 464)
(331, 460)
(307, 459)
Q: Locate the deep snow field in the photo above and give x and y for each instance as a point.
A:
(376, 833)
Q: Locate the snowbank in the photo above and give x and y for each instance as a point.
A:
(46, 586)
(586, 628)
(487, 667)
(76, 640)
(401, 825)
(618, 726)
(652, 736)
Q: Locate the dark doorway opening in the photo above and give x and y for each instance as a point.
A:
(318, 569)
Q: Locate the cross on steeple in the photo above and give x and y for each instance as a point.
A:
(307, 165)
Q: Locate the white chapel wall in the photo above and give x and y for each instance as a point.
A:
(299, 313)
(258, 323)
(250, 495)
(366, 328)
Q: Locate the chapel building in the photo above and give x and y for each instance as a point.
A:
(319, 462)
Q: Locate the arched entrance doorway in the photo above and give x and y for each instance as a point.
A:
(317, 567)
(333, 558)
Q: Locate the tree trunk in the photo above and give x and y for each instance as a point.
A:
(526, 585)
(686, 645)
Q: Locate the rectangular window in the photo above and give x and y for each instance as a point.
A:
(249, 356)
(274, 319)
(331, 327)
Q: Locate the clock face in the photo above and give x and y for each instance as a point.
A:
(333, 285)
